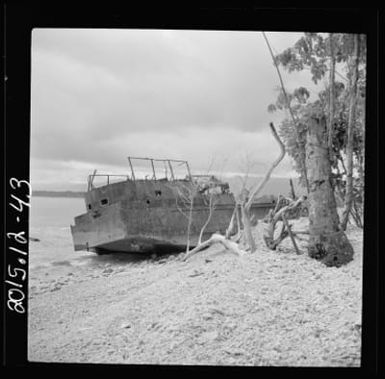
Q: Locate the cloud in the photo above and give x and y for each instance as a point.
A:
(99, 95)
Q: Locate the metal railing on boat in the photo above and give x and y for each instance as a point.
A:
(107, 176)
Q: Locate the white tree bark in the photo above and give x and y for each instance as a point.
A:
(349, 145)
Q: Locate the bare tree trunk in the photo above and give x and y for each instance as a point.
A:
(211, 209)
(186, 195)
(258, 189)
(247, 203)
(238, 222)
(230, 228)
(327, 242)
(189, 222)
(247, 228)
(292, 192)
(331, 97)
(349, 145)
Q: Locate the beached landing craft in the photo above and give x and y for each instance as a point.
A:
(151, 214)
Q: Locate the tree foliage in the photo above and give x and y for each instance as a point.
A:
(312, 52)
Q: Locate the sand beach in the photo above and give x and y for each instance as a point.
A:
(270, 308)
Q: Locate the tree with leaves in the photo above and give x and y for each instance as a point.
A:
(342, 102)
(340, 106)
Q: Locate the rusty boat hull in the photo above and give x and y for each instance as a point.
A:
(147, 216)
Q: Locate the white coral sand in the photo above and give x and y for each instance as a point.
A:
(270, 308)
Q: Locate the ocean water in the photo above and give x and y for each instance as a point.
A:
(50, 220)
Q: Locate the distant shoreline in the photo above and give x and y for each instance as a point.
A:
(58, 194)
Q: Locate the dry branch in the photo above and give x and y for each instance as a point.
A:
(211, 209)
(247, 228)
(187, 196)
(295, 121)
(245, 206)
(290, 234)
(247, 201)
(277, 215)
(258, 189)
(230, 228)
(238, 222)
(215, 238)
(289, 207)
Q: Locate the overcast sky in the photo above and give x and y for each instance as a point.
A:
(100, 95)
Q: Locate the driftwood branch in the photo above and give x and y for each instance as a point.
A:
(230, 232)
(211, 210)
(245, 206)
(289, 207)
(230, 228)
(279, 215)
(215, 238)
(246, 199)
(258, 189)
(248, 234)
(272, 243)
(187, 195)
(239, 234)
(290, 234)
